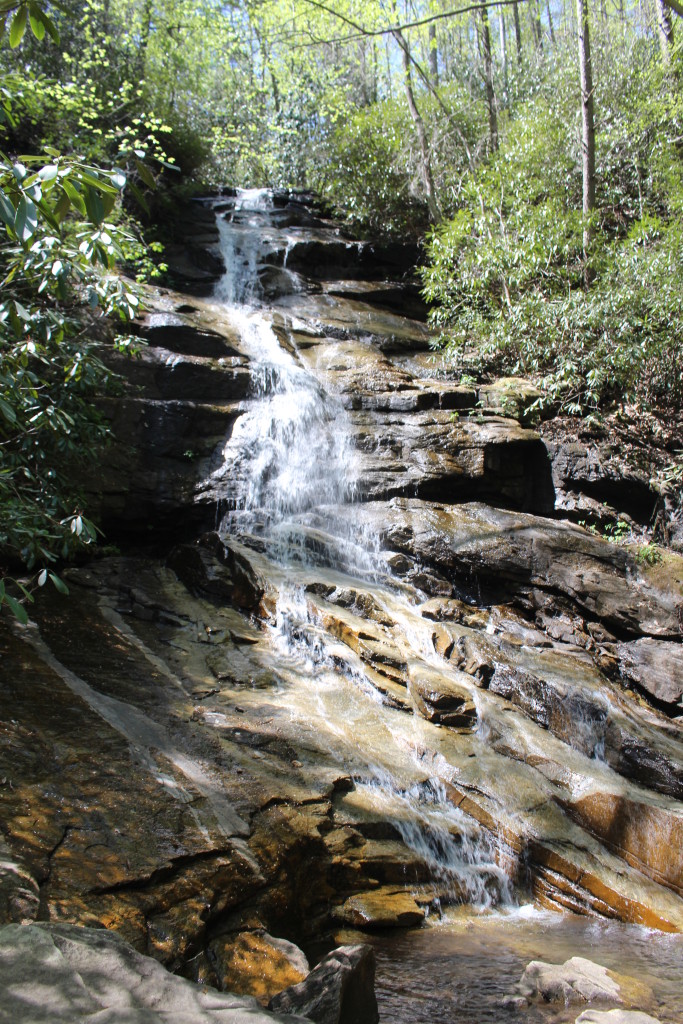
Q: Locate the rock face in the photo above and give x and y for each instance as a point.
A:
(612, 476)
(254, 724)
(60, 973)
(339, 991)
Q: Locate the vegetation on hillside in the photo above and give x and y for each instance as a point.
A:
(536, 147)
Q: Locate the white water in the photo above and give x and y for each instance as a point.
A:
(288, 461)
(289, 451)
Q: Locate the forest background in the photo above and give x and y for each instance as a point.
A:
(535, 147)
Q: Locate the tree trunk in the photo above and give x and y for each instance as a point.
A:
(665, 31)
(550, 22)
(426, 167)
(536, 28)
(433, 55)
(518, 33)
(587, 125)
(485, 38)
(503, 51)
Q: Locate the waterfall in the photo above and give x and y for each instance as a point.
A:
(290, 451)
(288, 464)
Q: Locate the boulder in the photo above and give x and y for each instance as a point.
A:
(340, 990)
(63, 974)
(257, 964)
(580, 981)
(615, 1017)
(382, 908)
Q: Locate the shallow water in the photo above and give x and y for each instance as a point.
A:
(462, 968)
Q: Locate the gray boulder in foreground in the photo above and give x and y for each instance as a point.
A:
(340, 990)
(615, 1017)
(63, 974)
(578, 980)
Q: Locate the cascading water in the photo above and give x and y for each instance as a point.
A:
(288, 463)
(289, 452)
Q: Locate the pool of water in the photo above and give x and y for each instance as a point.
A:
(459, 970)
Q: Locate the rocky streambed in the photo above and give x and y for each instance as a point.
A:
(351, 668)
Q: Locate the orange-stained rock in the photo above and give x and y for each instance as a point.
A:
(383, 908)
(649, 838)
(257, 964)
(442, 698)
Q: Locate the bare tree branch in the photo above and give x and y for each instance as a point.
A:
(391, 29)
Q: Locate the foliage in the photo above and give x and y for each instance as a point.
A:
(367, 175)
(62, 234)
(507, 271)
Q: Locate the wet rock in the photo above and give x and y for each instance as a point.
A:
(437, 458)
(440, 610)
(580, 981)
(563, 691)
(340, 990)
(649, 838)
(278, 281)
(497, 550)
(19, 890)
(257, 964)
(655, 667)
(193, 269)
(61, 973)
(326, 256)
(180, 334)
(201, 570)
(441, 699)
(382, 908)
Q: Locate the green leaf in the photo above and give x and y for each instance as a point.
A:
(47, 211)
(145, 174)
(60, 585)
(101, 184)
(108, 203)
(48, 172)
(17, 609)
(62, 207)
(74, 195)
(51, 27)
(36, 18)
(26, 220)
(8, 411)
(94, 206)
(118, 179)
(16, 32)
(7, 211)
(139, 196)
